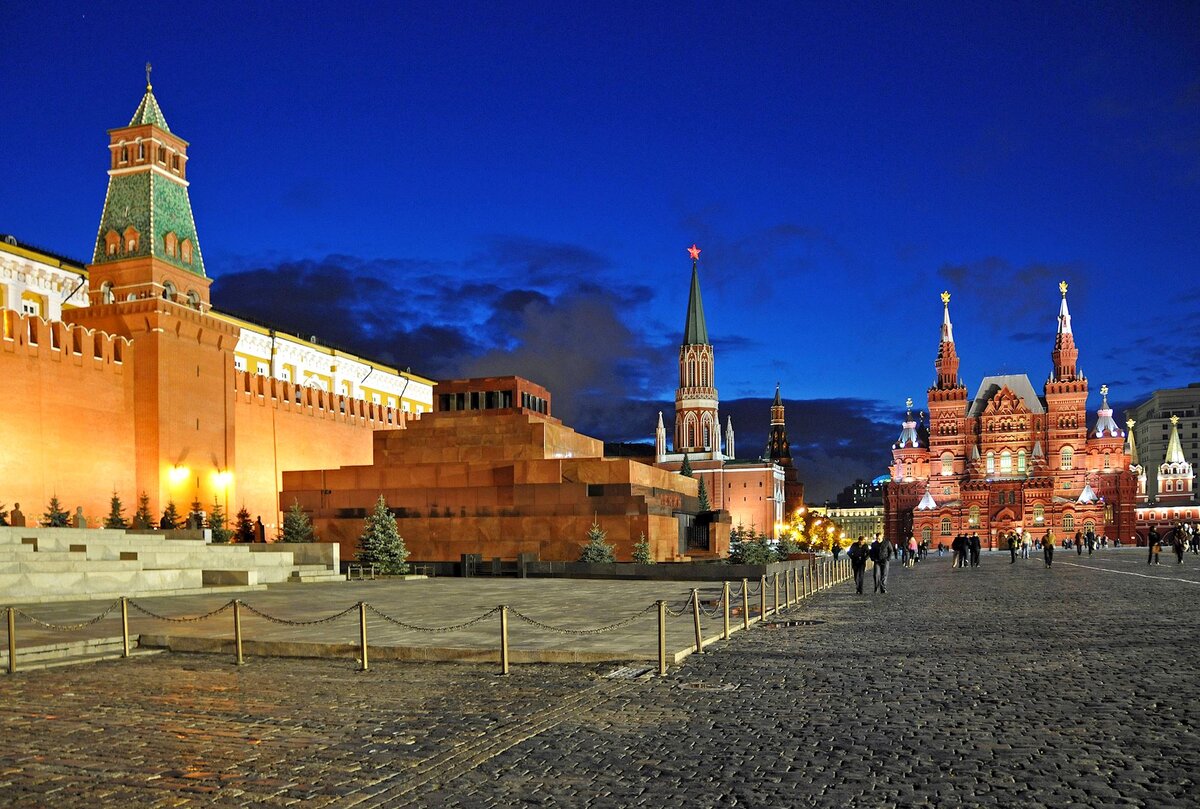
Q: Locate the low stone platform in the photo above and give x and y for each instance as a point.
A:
(579, 606)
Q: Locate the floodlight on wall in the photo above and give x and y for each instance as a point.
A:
(224, 479)
(178, 474)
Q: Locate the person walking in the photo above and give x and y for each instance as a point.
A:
(1048, 548)
(912, 551)
(1154, 543)
(974, 545)
(883, 556)
(1026, 544)
(858, 561)
(1012, 547)
(1090, 539)
(1078, 544)
(1179, 546)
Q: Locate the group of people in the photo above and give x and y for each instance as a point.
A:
(1184, 537)
(881, 552)
(966, 550)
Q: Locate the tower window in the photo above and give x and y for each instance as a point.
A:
(168, 292)
(185, 251)
(124, 154)
(141, 151)
(1067, 458)
(1005, 462)
(991, 463)
(947, 464)
(162, 155)
(1021, 461)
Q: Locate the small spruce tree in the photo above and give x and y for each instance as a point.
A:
(142, 518)
(296, 525)
(786, 546)
(597, 551)
(737, 541)
(55, 516)
(216, 521)
(685, 468)
(195, 517)
(244, 528)
(703, 494)
(380, 543)
(641, 552)
(170, 518)
(3, 515)
(757, 550)
(116, 513)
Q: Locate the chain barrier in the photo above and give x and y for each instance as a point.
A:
(682, 610)
(186, 619)
(285, 622)
(68, 627)
(416, 628)
(596, 631)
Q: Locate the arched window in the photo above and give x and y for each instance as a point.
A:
(1067, 458)
(168, 292)
(1021, 461)
(106, 292)
(1068, 522)
(1006, 463)
(974, 518)
(124, 154)
(1107, 464)
(945, 526)
(991, 462)
(1089, 525)
(193, 298)
(707, 436)
(947, 464)
(141, 151)
(691, 433)
(185, 251)
(926, 534)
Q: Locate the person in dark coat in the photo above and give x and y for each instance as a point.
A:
(1179, 546)
(858, 561)
(974, 545)
(883, 556)
(1048, 548)
(1154, 544)
(1012, 548)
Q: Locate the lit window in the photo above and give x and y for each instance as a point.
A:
(945, 526)
(1021, 461)
(947, 464)
(263, 369)
(991, 462)
(1068, 522)
(1005, 462)
(1067, 457)
(239, 363)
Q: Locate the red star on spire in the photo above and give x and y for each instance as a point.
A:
(694, 252)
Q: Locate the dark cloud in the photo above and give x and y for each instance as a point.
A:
(1024, 294)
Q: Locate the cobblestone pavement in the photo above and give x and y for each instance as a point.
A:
(1010, 685)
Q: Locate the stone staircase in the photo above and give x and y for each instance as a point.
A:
(60, 564)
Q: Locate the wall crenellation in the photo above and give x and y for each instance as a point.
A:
(33, 336)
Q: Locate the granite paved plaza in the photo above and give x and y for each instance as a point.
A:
(1009, 685)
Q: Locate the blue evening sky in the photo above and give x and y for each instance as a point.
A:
(509, 187)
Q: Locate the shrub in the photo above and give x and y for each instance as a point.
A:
(216, 521)
(116, 514)
(55, 516)
(380, 543)
(244, 529)
(296, 525)
(641, 552)
(597, 551)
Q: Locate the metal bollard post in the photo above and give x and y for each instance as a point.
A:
(503, 639)
(362, 634)
(237, 630)
(124, 626)
(696, 617)
(776, 610)
(12, 640)
(662, 639)
(787, 588)
(762, 598)
(745, 603)
(725, 602)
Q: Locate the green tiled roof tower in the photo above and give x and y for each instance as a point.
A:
(147, 211)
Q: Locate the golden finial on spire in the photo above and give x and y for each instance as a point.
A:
(946, 298)
(1174, 420)
(149, 67)
(1104, 390)
(908, 403)
(1129, 423)
(1062, 287)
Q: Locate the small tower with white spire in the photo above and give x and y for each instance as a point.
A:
(1176, 478)
(1135, 464)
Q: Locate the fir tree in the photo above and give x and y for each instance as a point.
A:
(380, 543)
(786, 546)
(685, 468)
(55, 517)
(216, 521)
(116, 513)
(142, 518)
(737, 540)
(641, 552)
(597, 551)
(703, 494)
(757, 550)
(296, 525)
(3, 515)
(244, 530)
(170, 518)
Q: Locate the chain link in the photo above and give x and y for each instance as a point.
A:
(682, 610)
(416, 628)
(286, 622)
(595, 631)
(68, 627)
(187, 619)
(717, 612)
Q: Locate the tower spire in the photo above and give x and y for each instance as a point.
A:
(778, 447)
(1065, 355)
(946, 363)
(695, 330)
(697, 423)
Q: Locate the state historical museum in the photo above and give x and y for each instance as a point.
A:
(1010, 459)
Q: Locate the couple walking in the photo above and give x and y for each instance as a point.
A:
(880, 552)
